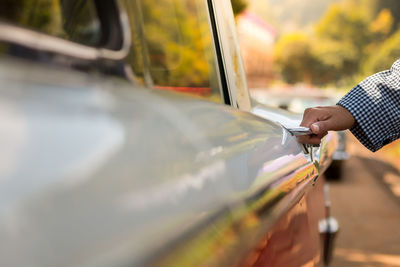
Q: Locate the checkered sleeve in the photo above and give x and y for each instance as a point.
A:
(375, 105)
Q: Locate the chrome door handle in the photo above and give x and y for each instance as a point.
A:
(297, 131)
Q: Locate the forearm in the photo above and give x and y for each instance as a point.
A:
(374, 103)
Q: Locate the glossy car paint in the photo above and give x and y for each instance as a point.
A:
(292, 241)
(79, 152)
(98, 172)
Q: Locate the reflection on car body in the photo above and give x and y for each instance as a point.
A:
(104, 166)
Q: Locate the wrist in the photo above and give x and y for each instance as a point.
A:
(347, 118)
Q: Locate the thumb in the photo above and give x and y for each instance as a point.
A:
(319, 127)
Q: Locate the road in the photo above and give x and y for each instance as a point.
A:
(366, 203)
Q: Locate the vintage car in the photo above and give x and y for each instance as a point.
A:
(103, 164)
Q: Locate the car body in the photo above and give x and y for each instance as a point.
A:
(102, 165)
(296, 100)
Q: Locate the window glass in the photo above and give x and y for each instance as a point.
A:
(74, 20)
(172, 46)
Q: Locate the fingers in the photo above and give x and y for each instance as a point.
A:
(312, 115)
(315, 128)
(313, 139)
(309, 117)
(323, 119)
(328, 118)
(317, 120)
(321, 127)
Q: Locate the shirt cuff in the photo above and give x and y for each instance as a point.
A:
(371, 119)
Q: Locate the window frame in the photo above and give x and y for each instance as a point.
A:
(114, 25)
(217, 54)
(222, 75)
(228, 53)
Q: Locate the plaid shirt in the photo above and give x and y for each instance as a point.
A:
(375, 105)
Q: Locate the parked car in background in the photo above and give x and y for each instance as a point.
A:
(296, 100)
(103, 164)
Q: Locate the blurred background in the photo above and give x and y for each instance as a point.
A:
(311, 52)
(317, 43)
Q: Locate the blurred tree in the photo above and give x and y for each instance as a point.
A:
(344, 24)
(378, 5)
(69, 19)
(294, 58)
(175, 49)
(381, 28)
(383, 24)
(239, 6)
(342, 37)
(36, 15)
(335, 60)
(383, 58)
(352, 37)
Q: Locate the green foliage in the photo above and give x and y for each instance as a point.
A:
(342, 37)
(353, 37)
(239, 6)
(382, 26)
(384, 57)
(172, 45)
(381, 29)
(38, 15)
(376, 6)
(294, 57)
(176, 49)
(335, 59)
(344, 25)
(334, 53)
(69, 19)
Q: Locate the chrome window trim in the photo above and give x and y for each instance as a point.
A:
(125, 32)
(43, 42)
(218, 54)
(231, 58)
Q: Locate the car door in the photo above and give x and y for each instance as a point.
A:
(139, 146)
(278, 157)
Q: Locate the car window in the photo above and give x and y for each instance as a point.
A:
(74, 20)
(172, 46)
